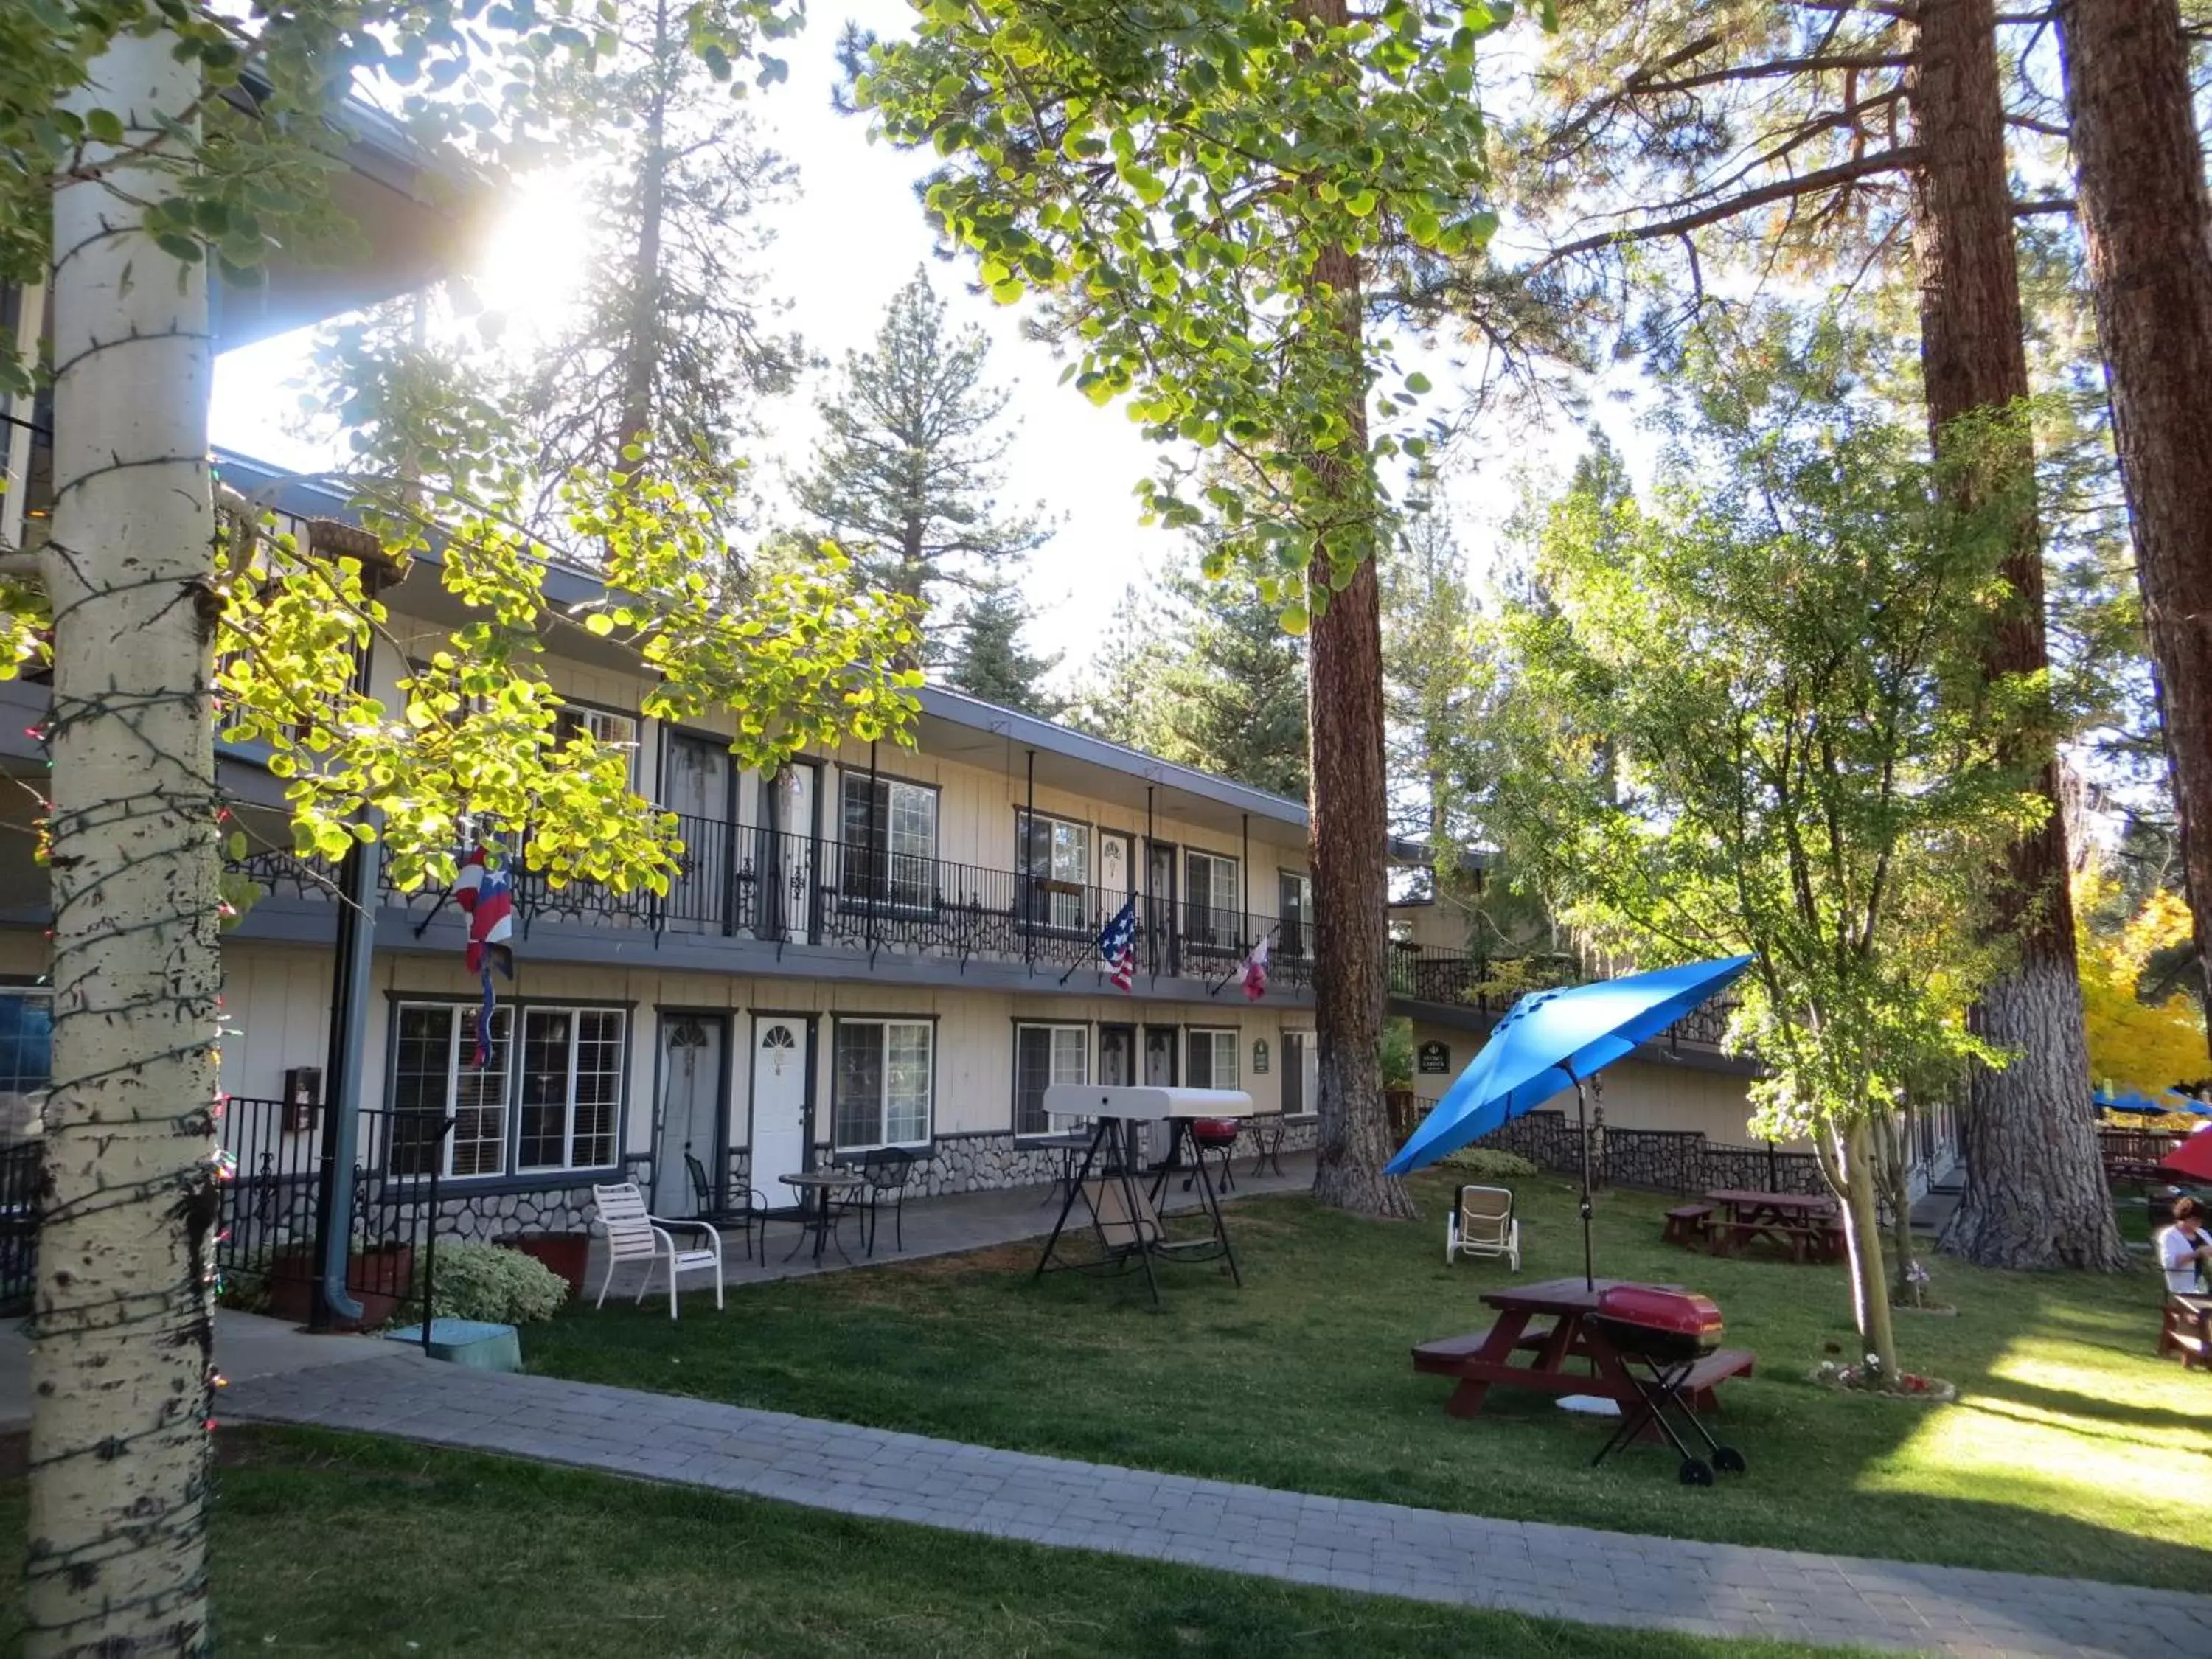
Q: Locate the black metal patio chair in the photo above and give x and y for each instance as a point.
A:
(750, 1210)
(888, 1171)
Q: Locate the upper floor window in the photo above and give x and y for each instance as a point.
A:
(1212, 914)
(607, 726)
(1044, 1055)
(1294, 905)
(1053, 856)
(890, 832)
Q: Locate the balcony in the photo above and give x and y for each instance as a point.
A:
(738, 882)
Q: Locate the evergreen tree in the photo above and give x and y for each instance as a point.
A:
(911, 455)
(990, 661)
(671, 340)
(1434, 674)
(1117, 698)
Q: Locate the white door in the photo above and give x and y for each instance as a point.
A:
(789, 865)
(779, 1127)
(690, 1111)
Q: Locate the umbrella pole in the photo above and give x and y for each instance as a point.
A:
(1582, 1123)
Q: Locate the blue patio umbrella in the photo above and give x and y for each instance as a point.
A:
(1550, 1041)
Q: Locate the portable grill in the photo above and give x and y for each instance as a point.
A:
(1667, 1332)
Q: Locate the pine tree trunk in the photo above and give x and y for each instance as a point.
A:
(1350, 832)
(2140, 184)
(2035, 1195)
(117, 1561)
(641, 370)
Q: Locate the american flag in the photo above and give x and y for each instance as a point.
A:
(1117, 943)
(485, 893)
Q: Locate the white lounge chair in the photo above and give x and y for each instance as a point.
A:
(1482, 1223)
(633, 1235)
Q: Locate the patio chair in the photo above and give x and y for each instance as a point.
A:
(635, 1234)
(743, 1215)
(1482, 1223)
(888, 1172)
(1123, 1230)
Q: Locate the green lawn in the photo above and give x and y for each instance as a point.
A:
(333, 1545)
(2071, 1450)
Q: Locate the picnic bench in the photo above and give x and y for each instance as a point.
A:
(1482, 1360)
(1806, 1226)
(1688, 1224)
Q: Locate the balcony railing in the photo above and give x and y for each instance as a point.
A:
(740, 882)
(1493, 984)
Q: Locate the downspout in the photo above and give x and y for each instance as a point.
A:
(881, 886)
(1028, 859)
(1245, 872)
(1151, 899)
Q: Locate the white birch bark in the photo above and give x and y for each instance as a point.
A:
(117, 1561)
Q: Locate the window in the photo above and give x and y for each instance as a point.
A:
(1212, 1056)
(571, 1087)
(889, 832)
(1043, 1056)
(1294, 904)
(1301, 1074)
(615, 730)
(569, 1090)
(880, 1084)
(27, 1040)
(1055, 855)
(432, 1077)
(1212, 914)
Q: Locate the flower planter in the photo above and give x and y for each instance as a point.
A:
(379, 1279)
(566, 1254)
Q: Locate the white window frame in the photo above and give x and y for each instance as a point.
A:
(882, 1127)
(617, 728)
(1058, 1053)
(1219, 928)
(1220, 1040)
(1309, 1073)
(1066, 860)
(503, 1079)
(576, 1017)
(907, 878)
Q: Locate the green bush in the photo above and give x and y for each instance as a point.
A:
(1489, 1163)
(499, 1288)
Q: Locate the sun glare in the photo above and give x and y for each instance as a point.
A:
(532, 262)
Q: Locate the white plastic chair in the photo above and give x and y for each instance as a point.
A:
(1482, 1223)
(633, 1235)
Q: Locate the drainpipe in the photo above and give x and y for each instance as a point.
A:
(360, 876)
(1246, 872)
(1151, 898)
(883, 887)
(1028, 859)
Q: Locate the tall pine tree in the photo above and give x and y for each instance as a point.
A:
(912, 450)
(990, 660)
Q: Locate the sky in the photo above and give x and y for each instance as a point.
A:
(852, 235)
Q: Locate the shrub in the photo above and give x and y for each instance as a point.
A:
(1489, 1163)
(499, 1288)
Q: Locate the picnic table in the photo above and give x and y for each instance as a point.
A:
(1485, 1359)
(1803, 1224)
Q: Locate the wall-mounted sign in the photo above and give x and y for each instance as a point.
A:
(1259, 1057)
(1434, 1059)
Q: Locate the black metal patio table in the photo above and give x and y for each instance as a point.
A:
(824, 1186)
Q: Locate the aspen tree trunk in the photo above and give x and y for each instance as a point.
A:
(1862, 1233)
(119, 1370)
(2035, 1195)
(2140, 183)
(1350, 835)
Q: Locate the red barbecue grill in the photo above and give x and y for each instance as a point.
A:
(1667, 1332)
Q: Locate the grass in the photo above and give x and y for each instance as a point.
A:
(329, 1544)
(2071, 1450)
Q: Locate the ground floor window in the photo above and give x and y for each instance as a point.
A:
(1044, 1055)
(1301, 1074)
(552, 1103)
(1212, 1059)
(881, 1083)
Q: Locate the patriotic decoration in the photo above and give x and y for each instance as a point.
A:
(485, 892)
(1117, 943)
(1255, 972)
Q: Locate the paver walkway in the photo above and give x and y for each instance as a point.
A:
(1566, 1572)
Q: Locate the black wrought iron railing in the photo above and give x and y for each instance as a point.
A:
(741, 882)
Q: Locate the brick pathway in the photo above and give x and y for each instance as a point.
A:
(1565, 1573)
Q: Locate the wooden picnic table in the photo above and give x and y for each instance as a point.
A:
(1485, 1359)
(1801, 1223)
